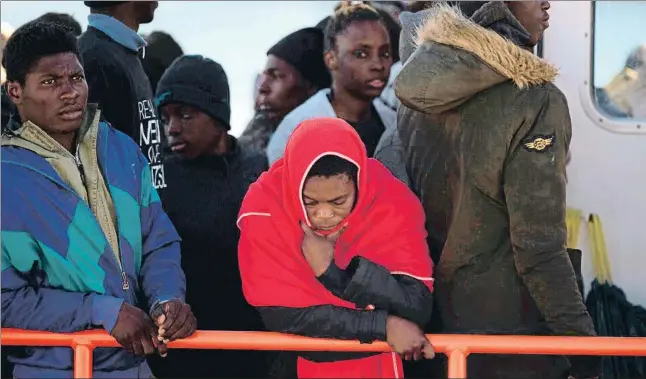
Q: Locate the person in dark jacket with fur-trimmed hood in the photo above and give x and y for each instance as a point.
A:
(482, 138)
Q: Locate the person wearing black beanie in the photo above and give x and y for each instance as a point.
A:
(199, 82)
(208, 174)
(358, 55)
(294, 71)
(303, 49)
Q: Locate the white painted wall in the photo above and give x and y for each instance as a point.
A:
(607, 174)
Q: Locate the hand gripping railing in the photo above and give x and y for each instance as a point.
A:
(456, 347)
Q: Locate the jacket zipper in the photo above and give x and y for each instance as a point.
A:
(79, 165)
(125, 285)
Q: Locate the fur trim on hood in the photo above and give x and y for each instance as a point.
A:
(455, 58)
(449, 27)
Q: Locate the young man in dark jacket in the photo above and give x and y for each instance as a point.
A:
(117, 80)
(208, 174)
(294, 71)
(85, 241)
(484, 138)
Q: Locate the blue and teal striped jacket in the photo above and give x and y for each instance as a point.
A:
(59, 272)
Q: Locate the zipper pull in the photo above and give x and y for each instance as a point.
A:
(79, 165)
(124, 281)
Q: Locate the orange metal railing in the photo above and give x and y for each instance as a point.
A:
(456, 347)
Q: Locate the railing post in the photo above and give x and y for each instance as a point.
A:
(83, 359)
(457, 362)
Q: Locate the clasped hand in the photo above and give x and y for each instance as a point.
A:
(403, 336)
(407, 339)
(318, 250)
(141, 334)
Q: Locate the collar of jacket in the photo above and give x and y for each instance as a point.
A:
(117, 31)
(449, 27)
(35, 135)
(216, 160)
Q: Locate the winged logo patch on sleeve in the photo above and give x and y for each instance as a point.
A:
(539, 144)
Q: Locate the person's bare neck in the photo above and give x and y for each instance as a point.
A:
(67, 140)
(223, 145)
(349, 107)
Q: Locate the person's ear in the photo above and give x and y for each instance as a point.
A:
(14, 91)
(331, 60)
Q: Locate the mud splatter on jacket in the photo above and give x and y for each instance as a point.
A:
(483, 136)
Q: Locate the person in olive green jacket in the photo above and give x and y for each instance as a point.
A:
(482, 137)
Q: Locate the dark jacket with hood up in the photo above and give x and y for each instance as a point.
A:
(482, 138)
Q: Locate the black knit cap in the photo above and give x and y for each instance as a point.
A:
(303, 49)
(102, 4)
(199, 82)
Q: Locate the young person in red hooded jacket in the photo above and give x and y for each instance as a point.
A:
(332, 245)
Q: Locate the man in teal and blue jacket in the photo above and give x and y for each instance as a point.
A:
(85, 242)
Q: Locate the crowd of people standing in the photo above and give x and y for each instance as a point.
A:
(403, 174)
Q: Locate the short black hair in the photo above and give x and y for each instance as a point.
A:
(62, 19)
(161, 51)
(345, 16)
(33, 41)
(332, 165)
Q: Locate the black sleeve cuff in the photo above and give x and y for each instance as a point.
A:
(334, 279)
(378, 325)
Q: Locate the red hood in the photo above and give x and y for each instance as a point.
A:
(310, 141)
(386, 225)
